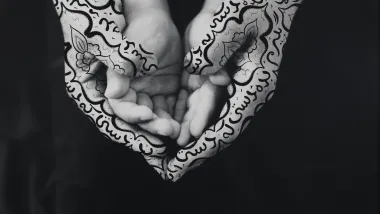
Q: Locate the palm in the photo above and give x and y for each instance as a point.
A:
(150, 98)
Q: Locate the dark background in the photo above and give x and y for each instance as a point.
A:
(312, 149)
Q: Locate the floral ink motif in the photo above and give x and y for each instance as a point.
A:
(86, 51)
(95, 38)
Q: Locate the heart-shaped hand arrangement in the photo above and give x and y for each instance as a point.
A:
(123, 68)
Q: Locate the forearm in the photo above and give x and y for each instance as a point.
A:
(136, 8)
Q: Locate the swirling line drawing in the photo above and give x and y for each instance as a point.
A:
(85, 97)
(247, 96)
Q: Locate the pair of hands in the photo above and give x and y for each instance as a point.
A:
(123, 66)
(170, 102)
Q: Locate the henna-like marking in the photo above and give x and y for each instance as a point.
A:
(108, 23)
(80, 49)
(248, 95)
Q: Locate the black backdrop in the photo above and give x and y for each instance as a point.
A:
(312, 149)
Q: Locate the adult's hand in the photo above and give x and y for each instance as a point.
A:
(200, 93)
(250, 36)
(100, 62)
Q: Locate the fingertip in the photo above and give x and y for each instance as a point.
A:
(196, 128)
(144, 112)
(176, 129)
(164, 127)
(184, 135)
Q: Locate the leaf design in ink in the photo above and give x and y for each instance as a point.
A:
(251, 30)
(229, 50)
(79, 41)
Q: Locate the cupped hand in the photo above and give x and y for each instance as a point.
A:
(100, 61)
(199, 95)
(149, 101)
(245, 38)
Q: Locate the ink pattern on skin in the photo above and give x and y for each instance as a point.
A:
(265, 26)
(92, 39)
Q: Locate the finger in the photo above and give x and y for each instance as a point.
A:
(193, 99)
(144, 100)
(220, 41)
(127, 109)
(159, 102)
(180, 106)
(154, 85)
(196, 81)
(171, 100)
(161, 124)
(185, 134)
(157, 126)
(209, 94)
(176, 129)
(117, 85)
(185, 79)
(220, 78)
(175, 125)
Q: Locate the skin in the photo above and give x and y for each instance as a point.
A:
(245, 39)
(149, 101)
(199, 94)
(111, 59)
(140, 61)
